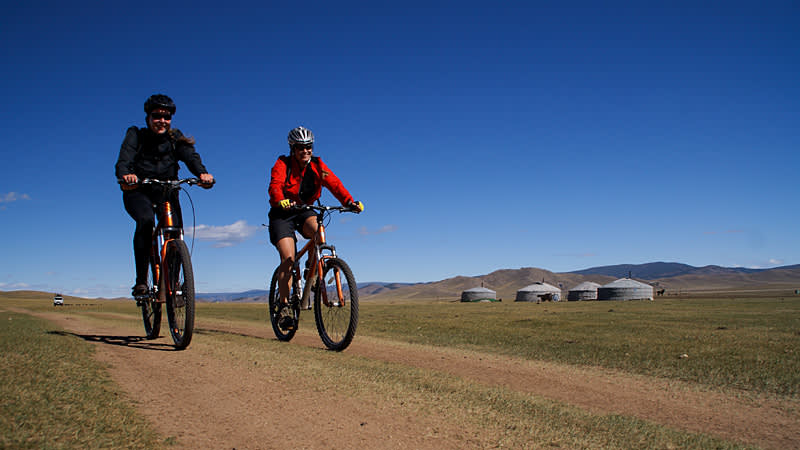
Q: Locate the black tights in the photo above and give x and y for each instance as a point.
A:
(139, 205)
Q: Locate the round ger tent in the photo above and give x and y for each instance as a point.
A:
(584, 291)
(479, 294)
(625, 289)
(537, 292)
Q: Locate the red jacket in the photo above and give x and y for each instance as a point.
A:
(280, 188)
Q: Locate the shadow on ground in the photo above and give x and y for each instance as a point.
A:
(122, 341)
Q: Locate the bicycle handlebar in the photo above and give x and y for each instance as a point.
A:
(189, 181)
(324, 208)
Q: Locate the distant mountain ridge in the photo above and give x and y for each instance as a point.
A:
(655, 270)
(669, 275)
(254, 295)
(246, 296)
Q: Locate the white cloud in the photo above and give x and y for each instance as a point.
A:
(724, 232)
(13, 197)
(384, 229)
(14, 286)
(768, 264)
(226, 235)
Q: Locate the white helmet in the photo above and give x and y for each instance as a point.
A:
(301, 135)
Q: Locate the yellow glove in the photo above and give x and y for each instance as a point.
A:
(357, 207)
(285, 203)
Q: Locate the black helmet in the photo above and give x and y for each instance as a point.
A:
(301, 135)
(159, 101)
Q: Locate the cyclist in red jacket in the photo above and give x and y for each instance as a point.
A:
(298, 179)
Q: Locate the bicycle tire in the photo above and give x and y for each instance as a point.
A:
(151, 309)
(336, 323)
(179, 293)
(279, 313)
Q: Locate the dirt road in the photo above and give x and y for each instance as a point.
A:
(236, 403)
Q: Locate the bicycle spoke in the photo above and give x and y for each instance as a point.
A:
(151, 310)
(180, 293)
(337, 318)
(284, 317)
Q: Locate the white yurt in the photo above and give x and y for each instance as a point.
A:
(625, 289)
(537, 292)
(479, 294)
(584, 291)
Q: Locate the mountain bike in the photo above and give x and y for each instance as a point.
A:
(171, 279)
(328, 279)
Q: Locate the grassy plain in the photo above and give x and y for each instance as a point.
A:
(750, 344)
(747, 344)
(744, 345)
(54, 395)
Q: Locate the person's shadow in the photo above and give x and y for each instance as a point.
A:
(124, 341)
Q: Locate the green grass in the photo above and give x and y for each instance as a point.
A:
(748, 344)
(53, 395)
(743, 344)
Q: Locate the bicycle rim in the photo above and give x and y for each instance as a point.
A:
(151, 310)
(284, 318)
(151, 316)
(337, 320)
(180, 293)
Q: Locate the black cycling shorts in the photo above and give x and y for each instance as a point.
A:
(284, 223)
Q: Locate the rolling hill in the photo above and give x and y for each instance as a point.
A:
(674, 277)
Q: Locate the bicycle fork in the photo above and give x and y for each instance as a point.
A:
(317, 276)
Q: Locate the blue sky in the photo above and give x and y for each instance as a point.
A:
(480, 136)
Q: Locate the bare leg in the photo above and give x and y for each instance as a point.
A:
(309, 231)
(286, 250)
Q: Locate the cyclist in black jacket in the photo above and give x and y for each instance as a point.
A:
(153, 152)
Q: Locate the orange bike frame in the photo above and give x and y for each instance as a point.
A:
(165, 223)
(316, 270)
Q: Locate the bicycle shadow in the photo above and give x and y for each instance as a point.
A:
(122, 341)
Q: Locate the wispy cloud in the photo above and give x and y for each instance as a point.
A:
(724, 232)
(12, 197)
(770, 263)
(577, 255)
(15, 285)
(363, 231)
(226, 235)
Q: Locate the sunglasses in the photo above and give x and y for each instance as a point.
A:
(303, 147)
(157, 116)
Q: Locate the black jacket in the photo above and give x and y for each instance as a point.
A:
(150, 155)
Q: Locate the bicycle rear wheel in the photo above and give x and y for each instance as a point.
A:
(151, 316)
(283, 316)
(179, 293)
(337, 320)
(151, 309)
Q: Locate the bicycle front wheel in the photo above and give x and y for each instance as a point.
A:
(284, 316)
(180, 293)
(336, 305)
(151, 309)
